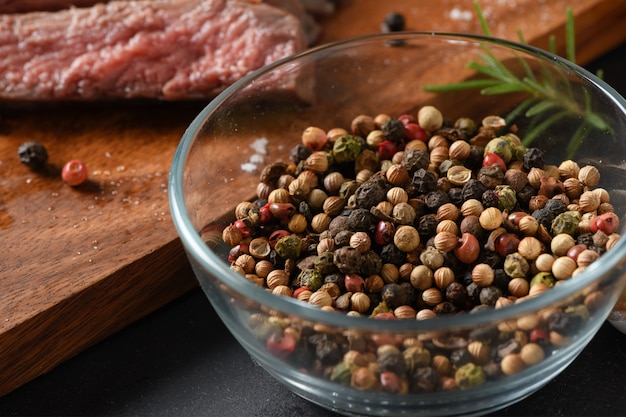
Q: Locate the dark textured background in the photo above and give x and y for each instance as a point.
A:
(182, 361)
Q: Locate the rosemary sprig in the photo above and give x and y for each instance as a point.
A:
(550, 97)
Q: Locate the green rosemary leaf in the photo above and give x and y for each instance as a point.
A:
(526, 66)
(542, 106)
(493, 62)
(597, 122)
(600, 73)
(487, 70)
(481, 19)
(463, 85)
(570, 36)
(551, 94)
(576, 140)
(552, 44)
(520, 35)
(503, 88)
(534, 132)
(519, 109)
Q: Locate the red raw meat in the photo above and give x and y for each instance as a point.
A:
(158, 49)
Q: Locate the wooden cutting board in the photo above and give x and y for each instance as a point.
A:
(79, 264)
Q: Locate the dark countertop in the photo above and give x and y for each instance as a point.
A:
(181, 360)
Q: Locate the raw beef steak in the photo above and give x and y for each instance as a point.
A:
(159, 49)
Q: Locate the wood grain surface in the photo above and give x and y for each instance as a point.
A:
(78, 264)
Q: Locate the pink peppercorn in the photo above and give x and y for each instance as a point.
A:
(74, 172)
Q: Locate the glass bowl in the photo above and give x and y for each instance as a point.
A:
(436, 357)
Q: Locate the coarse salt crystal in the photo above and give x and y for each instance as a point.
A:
(260, 145)
(248, 167)
(458, 14)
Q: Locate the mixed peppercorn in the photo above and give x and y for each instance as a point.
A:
(414, 217)
(34, 155)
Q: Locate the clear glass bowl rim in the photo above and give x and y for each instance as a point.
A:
(209, 261)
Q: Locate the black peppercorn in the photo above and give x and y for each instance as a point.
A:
(490, 199)
(276, 259)
(445, 308)
(456, 196)
(424, 379)
(338, 279)
(423, 181)
(371, 263)
(394, 22)
(473, 292)
(508, 347)
(475, 159)
(491, 258)
(337, 224)
(304, 209)
(347, 259)
(393, 130)
(343, 238)
(489, 295)
(460, 357)
(544, 217)
(391, 359)
(456, 293)
(585, 239)
(390, 254)
(436, 199)
(299, 153)
(501, 279)
(452, 133)
(524, 195)
(394, 295)
(416, 159)
(326, 349)
(485, 334)
(473, 189)
(427, 226)
(491, 176)
(570, 321)
(410, 292)
(492, 371)
(33, 154)
(556, 206)
(361, 220)
(533, 158)
(369, 194)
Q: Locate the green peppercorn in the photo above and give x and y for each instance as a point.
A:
(501, 147)
(289, 247)
(416, 357)
(515, 265)
(566, 223)
(310, 279)
(324, 264)
(507, 197)
(381, 308)
(342, 373)
(469, 376)
(346, 148)
(466, 125)
(543, 277)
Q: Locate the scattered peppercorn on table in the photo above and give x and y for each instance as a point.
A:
(83, 263)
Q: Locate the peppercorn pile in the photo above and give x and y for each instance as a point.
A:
(413, 217)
